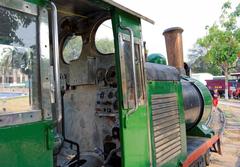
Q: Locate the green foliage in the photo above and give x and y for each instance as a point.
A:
(200, 63)
(222, 46)
(11, 21)
(105, 45)
(196, 52)
(203, 65)
(15, 58)
(237, 66)
(223, 40)
(5, 60)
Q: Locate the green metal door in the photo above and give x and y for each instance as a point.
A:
(133, 109)
(26, 135)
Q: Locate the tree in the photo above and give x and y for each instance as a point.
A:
(199, 62)
(5, 63)
(195, 53)
(105, 45)
(237, 66)
(222, 41)
(203, 65)
(11, 21)
(72, 48)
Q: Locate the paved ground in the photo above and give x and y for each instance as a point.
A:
(230, 103)
(230, 138)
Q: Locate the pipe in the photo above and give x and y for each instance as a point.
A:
(193, 104)
(173, 40)
(56, 62)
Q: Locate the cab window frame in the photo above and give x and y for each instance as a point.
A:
(34, 114)
(127, 104)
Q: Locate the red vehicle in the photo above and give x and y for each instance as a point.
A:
(219, 84)
(236, 94)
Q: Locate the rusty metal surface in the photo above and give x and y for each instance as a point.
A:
(173, 39)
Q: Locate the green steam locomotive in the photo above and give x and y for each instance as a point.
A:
(94, 102)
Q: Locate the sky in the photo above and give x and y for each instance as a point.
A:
(191, 15)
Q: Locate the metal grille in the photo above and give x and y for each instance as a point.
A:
(166, 127)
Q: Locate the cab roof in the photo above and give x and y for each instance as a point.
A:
(117, 5)
(86, 7)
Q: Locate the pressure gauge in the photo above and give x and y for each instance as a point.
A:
(100, 74)
(110, 76)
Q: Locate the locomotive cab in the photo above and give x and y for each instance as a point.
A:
(86, 79)
(79, 92)
(101, 83)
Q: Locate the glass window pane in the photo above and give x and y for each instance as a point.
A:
(139, 69)
(130, 92)
(104, 38)
(72, 48)
(127, 75)
(19, 65)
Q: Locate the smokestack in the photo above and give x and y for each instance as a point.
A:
(173, 40)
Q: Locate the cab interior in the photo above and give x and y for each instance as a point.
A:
(89, 88)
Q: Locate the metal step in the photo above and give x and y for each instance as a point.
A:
(66, 156)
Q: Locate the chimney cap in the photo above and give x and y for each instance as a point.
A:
(173, 29)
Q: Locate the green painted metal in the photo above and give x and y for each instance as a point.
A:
(165, 87)
(201, 130)
(126, 20)
(157, 58)
(207, 98)
(38, 2)
(135, 149)
(30, 145)
(27, 145)
(134, 128)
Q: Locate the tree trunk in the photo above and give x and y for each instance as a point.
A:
(226, 82)
(4, 78)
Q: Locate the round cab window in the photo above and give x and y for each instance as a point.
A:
(72, 48)
(104, 38)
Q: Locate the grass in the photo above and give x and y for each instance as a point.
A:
(15, 104)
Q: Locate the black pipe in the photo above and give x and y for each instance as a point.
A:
(192, 103)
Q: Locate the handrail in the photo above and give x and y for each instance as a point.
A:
(134, 68)
(56, 62)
